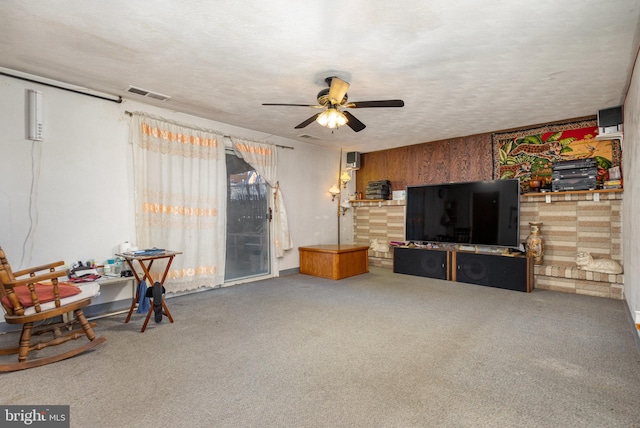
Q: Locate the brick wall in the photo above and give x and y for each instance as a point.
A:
(383, 221)
(575, 222)
(572, 222)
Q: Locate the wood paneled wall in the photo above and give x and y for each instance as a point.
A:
(453, 160)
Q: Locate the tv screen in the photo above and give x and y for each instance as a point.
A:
(477, 213)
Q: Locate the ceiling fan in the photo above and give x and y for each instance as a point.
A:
(336, 96)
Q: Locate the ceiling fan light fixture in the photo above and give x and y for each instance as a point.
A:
(332, 118)
(333, 97)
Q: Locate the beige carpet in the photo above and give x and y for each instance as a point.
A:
(376, 350)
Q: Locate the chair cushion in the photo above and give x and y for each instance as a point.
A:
(44, 292)
(71, 293)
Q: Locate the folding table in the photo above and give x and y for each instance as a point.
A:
(145, 260)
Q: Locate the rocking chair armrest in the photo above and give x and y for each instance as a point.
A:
(37, 278)
(40, 268)
(31, 282)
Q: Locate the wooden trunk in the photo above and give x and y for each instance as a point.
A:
(334, 261)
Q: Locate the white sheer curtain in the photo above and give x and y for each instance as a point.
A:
(180, 198)
(263, 158)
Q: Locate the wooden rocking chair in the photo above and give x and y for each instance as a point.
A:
(34, 295)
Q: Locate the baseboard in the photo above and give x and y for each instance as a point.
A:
(291, 271)
(635, 324)
(104, 309)
(638, 329)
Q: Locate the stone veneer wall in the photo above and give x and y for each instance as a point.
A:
(572, 222)
(381, 220)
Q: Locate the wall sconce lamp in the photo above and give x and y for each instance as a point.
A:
(335, 191)
(345, 178)
(344, 206)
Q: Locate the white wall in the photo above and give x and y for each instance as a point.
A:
(82, 196)
(631, 204)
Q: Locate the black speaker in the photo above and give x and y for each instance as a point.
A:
(420, 262)
(353, 160)
(497, 271)
(610, 120)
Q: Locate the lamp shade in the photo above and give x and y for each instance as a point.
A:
(331, 118)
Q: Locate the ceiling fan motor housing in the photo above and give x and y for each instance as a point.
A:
(323, 98)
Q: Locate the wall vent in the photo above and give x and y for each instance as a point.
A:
(308, 137)
(148, 94)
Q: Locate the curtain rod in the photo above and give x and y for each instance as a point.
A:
(229, 136)
(117, 100)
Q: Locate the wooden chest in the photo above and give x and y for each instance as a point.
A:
(334, 261)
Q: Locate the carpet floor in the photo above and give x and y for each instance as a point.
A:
(375, 350)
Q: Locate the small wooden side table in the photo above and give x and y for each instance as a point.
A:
(146, 261)
(334, 261)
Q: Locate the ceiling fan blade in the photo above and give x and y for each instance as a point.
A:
(354, 123)
(337, 90)
(307, 122)
(293, 105)
(380, 103)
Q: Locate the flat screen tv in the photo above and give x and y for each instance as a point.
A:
(476, 213)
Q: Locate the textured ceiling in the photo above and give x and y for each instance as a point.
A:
(462, 67)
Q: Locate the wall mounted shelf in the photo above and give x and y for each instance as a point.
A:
(376, 202)
(572, 192)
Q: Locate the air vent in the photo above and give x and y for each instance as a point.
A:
(308, 137)
(148, 94)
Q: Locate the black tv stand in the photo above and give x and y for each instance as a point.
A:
(429, 263)
(507, 271)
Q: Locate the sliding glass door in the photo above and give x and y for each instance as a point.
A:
(248, 215)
